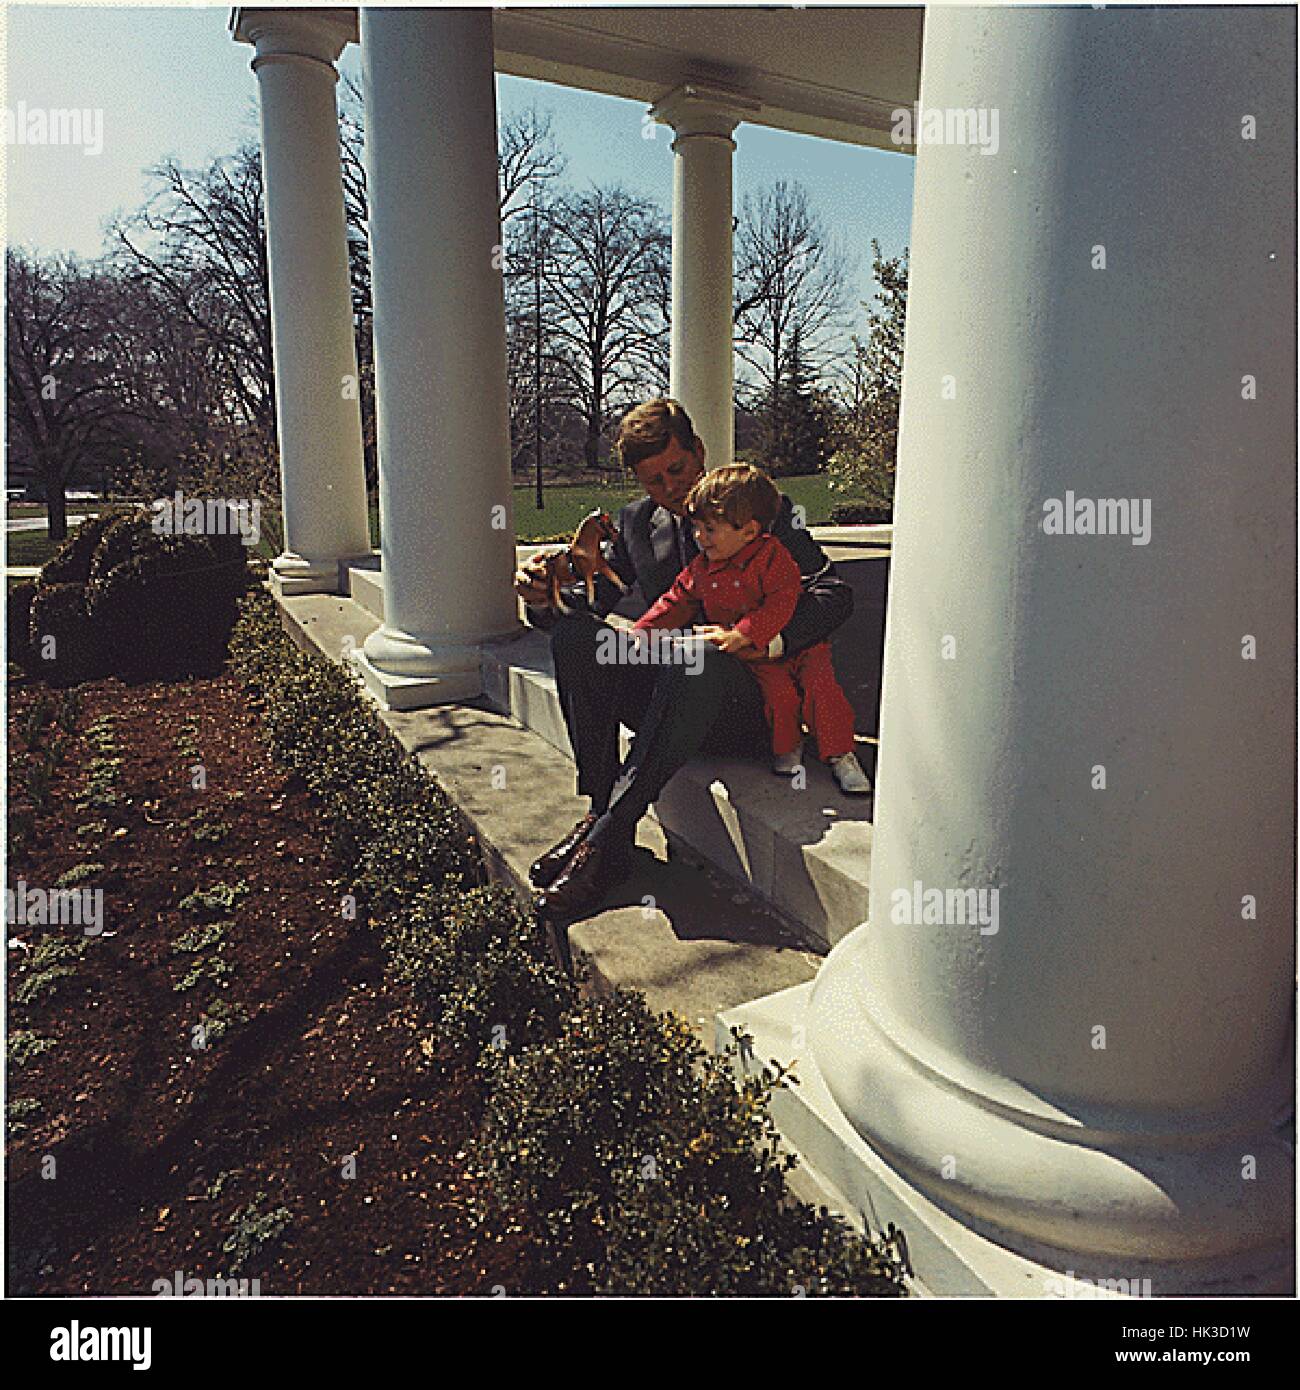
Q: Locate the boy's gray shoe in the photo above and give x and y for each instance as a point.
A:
(847, 771)
(787, 764)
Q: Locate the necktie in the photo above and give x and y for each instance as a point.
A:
(686, 546)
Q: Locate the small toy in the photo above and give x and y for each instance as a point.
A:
(585, 560)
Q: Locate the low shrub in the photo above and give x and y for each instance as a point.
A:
(51, 960)
(648, 1172)
(118, 541)
(18, 625)
(608, 1132)
(479, 967)
(167, 606)
(422, 846)
(70, 563)
(253, 1231)
(120, 599)
(67, 646)
(860, 514)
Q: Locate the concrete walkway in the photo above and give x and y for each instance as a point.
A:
(681, 932)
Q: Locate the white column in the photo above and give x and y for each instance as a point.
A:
(702, 352)
(1103, 1075)
(446, 519)
(322, 467)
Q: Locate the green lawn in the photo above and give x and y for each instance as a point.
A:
(565, 507)
(34, 547)
(25, 511)
(28, 547)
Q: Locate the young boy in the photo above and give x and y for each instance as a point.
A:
(745, 581)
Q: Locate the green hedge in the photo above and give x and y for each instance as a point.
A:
(117, 598)
(631, 1155)
(64, 645)
(70, 563)
(18, 623)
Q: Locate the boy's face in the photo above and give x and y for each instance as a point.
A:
(669, 475)
(719, 539)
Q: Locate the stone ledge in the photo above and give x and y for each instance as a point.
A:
(681, 933)
(806, 852)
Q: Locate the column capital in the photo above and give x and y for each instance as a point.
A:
(319, 34)
(695, 108)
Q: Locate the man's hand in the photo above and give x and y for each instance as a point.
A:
(531, 582)
(729, 640)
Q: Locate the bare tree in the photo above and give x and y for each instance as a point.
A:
(538, 412)
(66, 397)
(528, 161)
(790, 285)
(199, 244)
(605, 279)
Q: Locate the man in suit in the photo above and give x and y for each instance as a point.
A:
(712, 705)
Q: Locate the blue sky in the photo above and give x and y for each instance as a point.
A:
(172, 82)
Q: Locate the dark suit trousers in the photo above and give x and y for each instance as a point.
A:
(676, 714)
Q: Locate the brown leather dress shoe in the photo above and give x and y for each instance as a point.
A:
(544, 871)
(593, 869)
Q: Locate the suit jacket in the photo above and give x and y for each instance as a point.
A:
(645, 556)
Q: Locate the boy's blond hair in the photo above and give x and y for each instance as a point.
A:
(737, 493)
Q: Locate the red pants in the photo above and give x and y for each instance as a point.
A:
(803, 687)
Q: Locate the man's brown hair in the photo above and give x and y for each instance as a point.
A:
(647, 429)
(737, 494)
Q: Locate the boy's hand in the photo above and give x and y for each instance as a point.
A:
(729, 640)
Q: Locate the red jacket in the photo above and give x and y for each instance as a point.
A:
(755, 592)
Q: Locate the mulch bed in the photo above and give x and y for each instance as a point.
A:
(158, 1144)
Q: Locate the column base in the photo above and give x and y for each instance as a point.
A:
(951, 1256)
(1042, 1174)
(294, 574)
(394, 692)
(405, 672)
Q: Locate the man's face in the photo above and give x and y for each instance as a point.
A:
(668, 476)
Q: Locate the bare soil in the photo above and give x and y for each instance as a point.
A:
(137, 1142)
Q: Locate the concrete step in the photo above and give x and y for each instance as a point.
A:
(867, 535)
(806, 852)
(366, 587)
